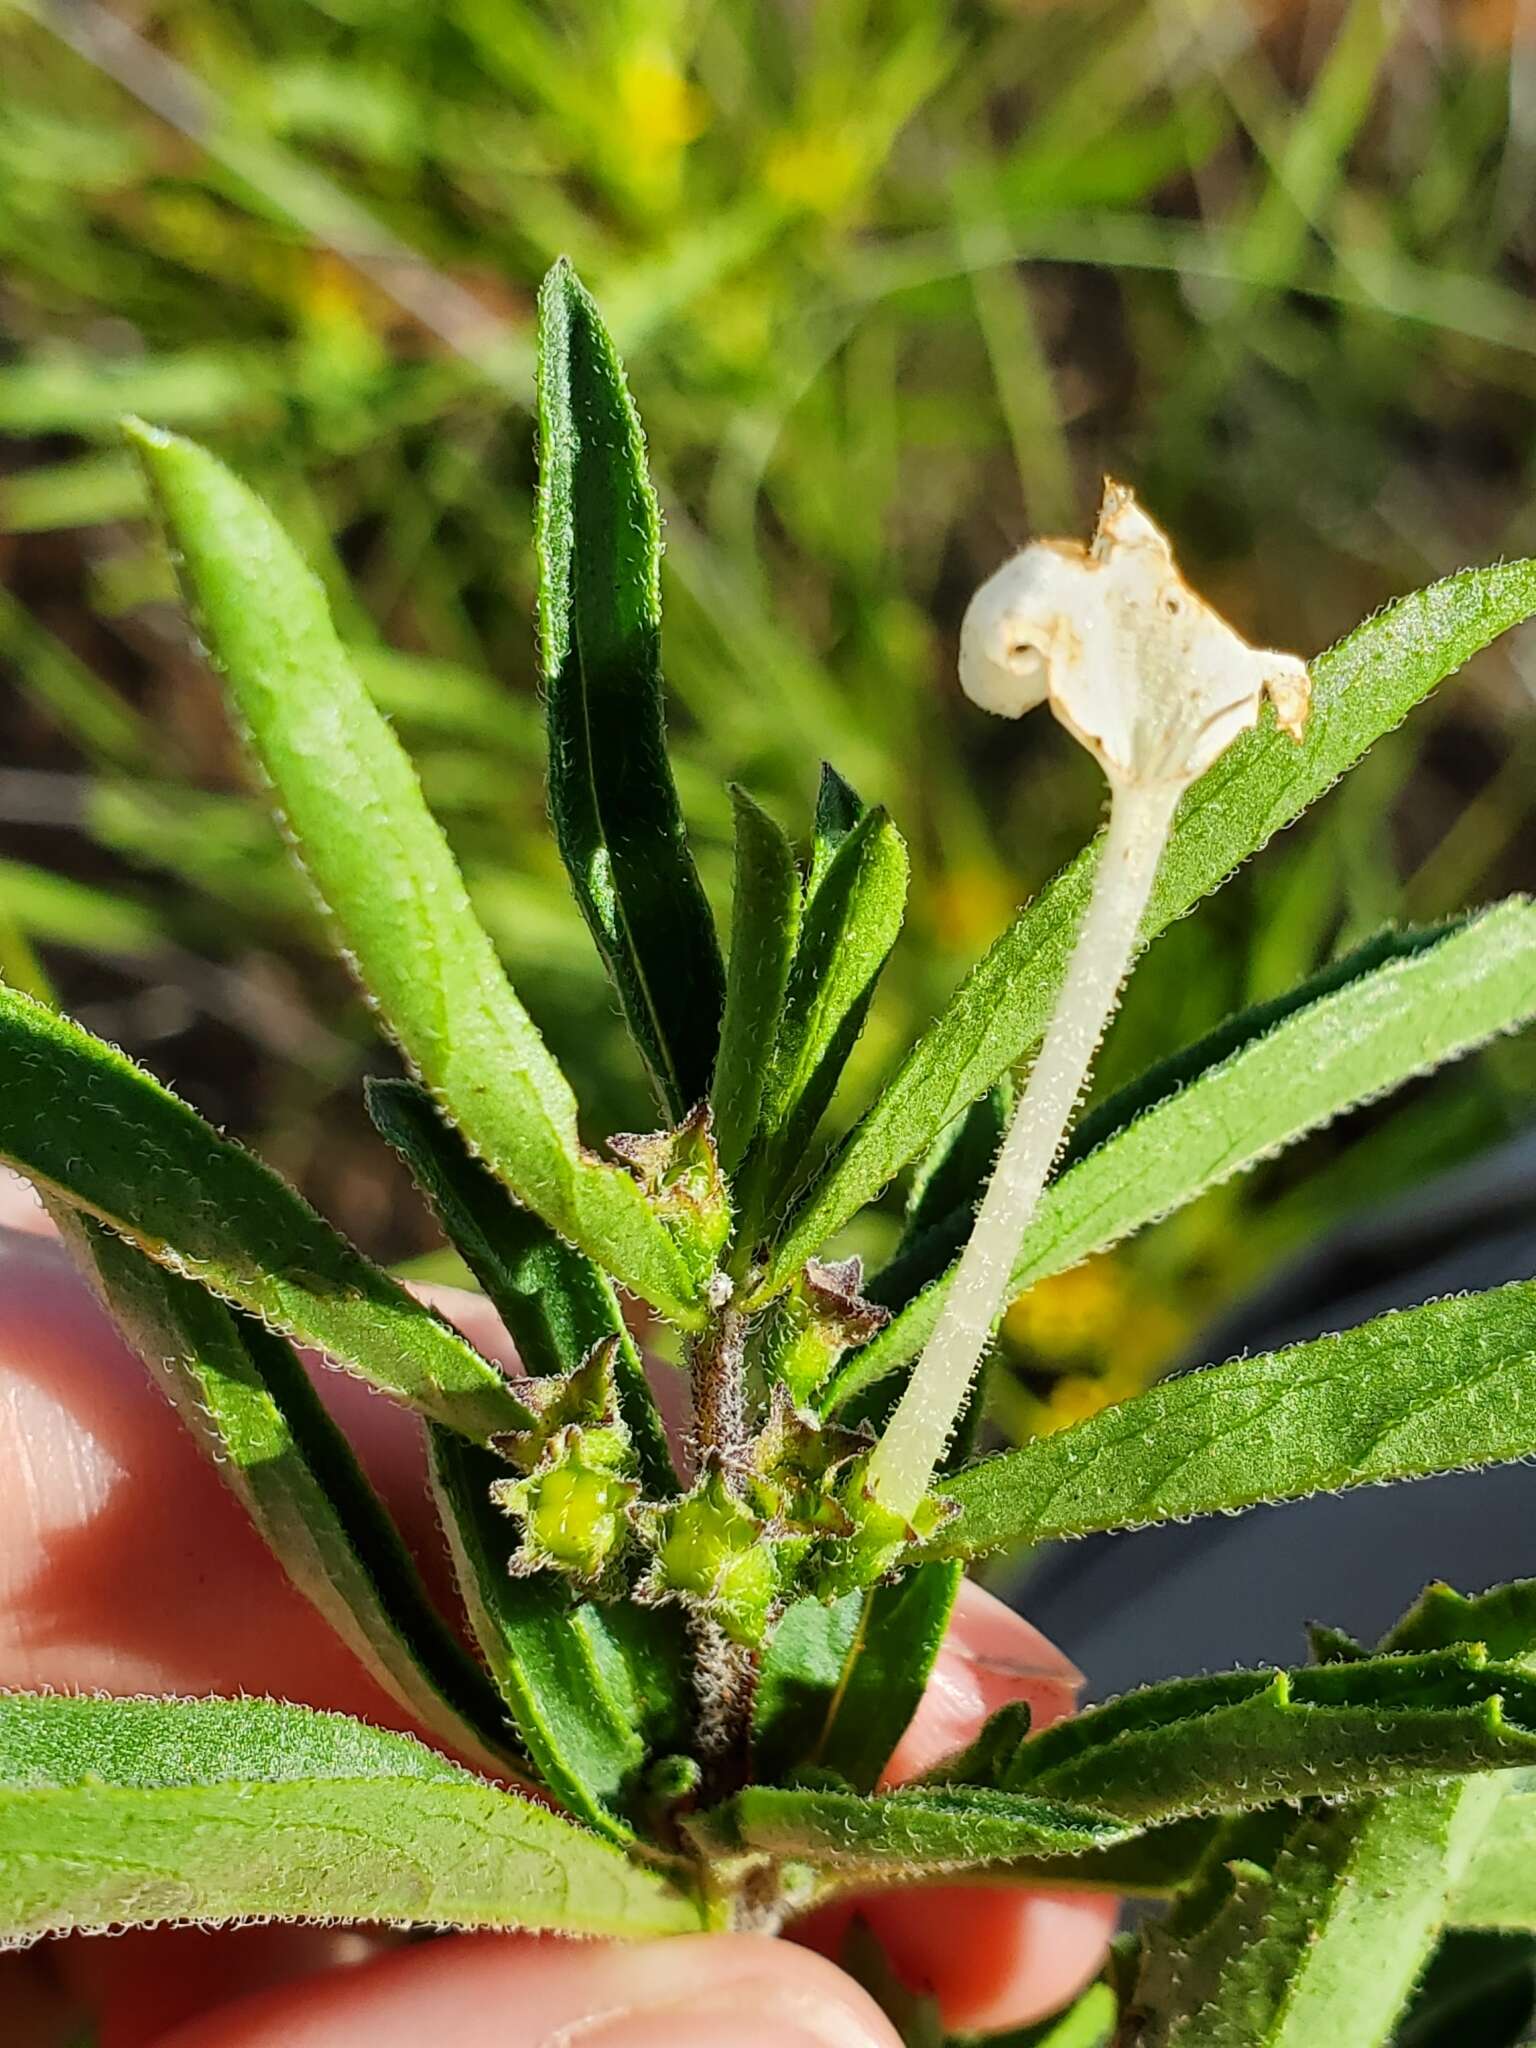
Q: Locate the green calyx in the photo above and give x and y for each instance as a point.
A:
(679, 1173)
(586, 1400)
(820, 1315)
(579, 1472)
(877, 1539)
(574, 1509)
(795, 1460)
(712, 1553)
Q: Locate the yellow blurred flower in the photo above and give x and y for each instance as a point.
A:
(659, 112)
(818, 172)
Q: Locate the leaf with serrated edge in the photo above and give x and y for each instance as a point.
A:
(1248, 1092)
(99, 1133)
(248, 1401)
(354, 813)
(1433, 1389)
(1361, 688)
(132, 1813)
(615, 808)
(914, 1831)
(765, 929)
(1249, 1738)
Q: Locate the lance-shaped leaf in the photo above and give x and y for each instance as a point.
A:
(900, 1630)
(917, 1831)
(353, 810)
(851, 920)
(547, 1653)
(130, 1813)
(557, 1305)
(611, 794)
(1361, 688)
(249, 1402)
(1431, 1389)
(941, 1204)
(99, 1133)
(1245, 1739)
(1309, 1931)
(765, 929)
(1402, 1006)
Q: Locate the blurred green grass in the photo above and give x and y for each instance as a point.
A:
(895, 285)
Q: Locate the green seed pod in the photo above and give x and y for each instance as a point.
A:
(574, 1508)
(879, 1536)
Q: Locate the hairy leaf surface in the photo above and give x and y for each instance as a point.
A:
(1401, 1007)
(612, 797)
(354, 813)
(129, 1813)
(1425, 1390)
(103, 1136)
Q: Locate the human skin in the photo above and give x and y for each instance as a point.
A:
(126, 1567)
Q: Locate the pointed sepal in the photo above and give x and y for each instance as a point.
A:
(679, 1173)
(880, 1537)
(793, 1468)
(586, 1399)
(819, 1317)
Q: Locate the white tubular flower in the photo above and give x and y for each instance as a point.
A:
(1157, 686)
(1137, 667)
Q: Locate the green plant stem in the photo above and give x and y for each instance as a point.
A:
(907, 1455)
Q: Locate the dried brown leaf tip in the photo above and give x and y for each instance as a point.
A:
(1136, 665)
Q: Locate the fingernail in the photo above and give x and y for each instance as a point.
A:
(714, 2022)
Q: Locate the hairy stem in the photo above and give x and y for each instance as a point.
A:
(725, 1673)
(904, 1461)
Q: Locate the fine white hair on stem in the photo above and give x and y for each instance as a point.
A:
(1157, 685)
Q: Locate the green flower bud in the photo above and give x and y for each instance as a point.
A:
(714, 1555)
(791, 1480)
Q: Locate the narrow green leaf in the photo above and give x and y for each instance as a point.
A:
(1310, 1931)
(840, 1683)
(839, 808)
(249, 1402)
(614, 804)
(1431, 1389)
(583, 1746)
(850, 924)
(1089, 2022)
(765, 929)
(354, 812)
(885, 1674)
(1399, 1008)
(1499, 1887)
(1362, 688)
(798, 1680)
(129, 1813)
(99, 1133)
(556, 1304)
(1245, 1739)
(918, 1831)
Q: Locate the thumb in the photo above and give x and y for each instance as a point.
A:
(500, 1991)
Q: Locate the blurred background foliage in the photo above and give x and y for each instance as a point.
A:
(896, 280)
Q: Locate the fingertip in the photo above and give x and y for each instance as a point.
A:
(991, 1658)
(991, 1956)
